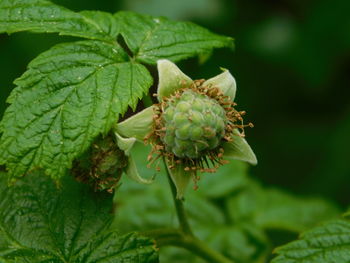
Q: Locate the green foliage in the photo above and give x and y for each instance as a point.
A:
(42, 223)
(275, 209)
(68, 96)
(229, 211)
(75, 91)
(327, 243)
(153, 38)
(42, 16)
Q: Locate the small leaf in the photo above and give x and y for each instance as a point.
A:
(41, 223)
(42, 16)
(68, 96)
(239, 149)
(328, 243)
(104, 21)
(153, 38)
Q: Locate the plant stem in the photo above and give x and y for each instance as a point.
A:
(174, 237)
(184, 236)
(180, 210)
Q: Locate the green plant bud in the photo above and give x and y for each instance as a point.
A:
(220, 125)
(178, 152)
(187, 96)
(213, 142)
(183, 144)
(194, 124)
(169, 114)
(180, 119)
(209, 119)
(196, 117)
(209, 132)
(183, 106)
(201, 145)
(183, 132)
(169, 138)
(197, 105)
(101, 166)
(192, 153)
(219, 111)
(196, 133)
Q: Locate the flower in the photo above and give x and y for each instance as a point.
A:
(194, 125)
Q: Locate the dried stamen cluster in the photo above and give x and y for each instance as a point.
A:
(102, 165)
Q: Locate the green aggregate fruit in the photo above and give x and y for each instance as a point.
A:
(194, 123)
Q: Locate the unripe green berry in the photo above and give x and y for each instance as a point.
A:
(169, 114)
(194, 123)
(183, 106)
(179, 119)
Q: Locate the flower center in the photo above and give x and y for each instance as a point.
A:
(194, 123)
(191, 125)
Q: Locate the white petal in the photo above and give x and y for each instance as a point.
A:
(138, 125)
(171, 78)
(224, 81)
(239, 149)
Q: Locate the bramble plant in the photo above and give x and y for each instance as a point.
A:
(66, 146)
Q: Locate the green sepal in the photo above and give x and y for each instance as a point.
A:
(138, 125)
(180, 178)
(125, 144)
(131, 171)
(171, 78)
(239, 149)
(225, 82)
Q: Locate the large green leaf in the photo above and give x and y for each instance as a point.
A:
(42, 223)
(68, 96)
(275, 209)
(328, 243)
(152, 38)
(45, 17)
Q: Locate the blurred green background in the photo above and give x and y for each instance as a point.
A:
(292, 66)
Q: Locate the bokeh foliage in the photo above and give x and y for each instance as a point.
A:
(291, 63)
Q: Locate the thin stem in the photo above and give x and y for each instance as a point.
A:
(184, 236)
(180, 210)
(173, 237)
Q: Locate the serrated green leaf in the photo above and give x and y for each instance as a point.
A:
(153, 38)
(68, 96)
(275, 209)
(45, 17)
(41, 223)
(104, 21)
(328, 243)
